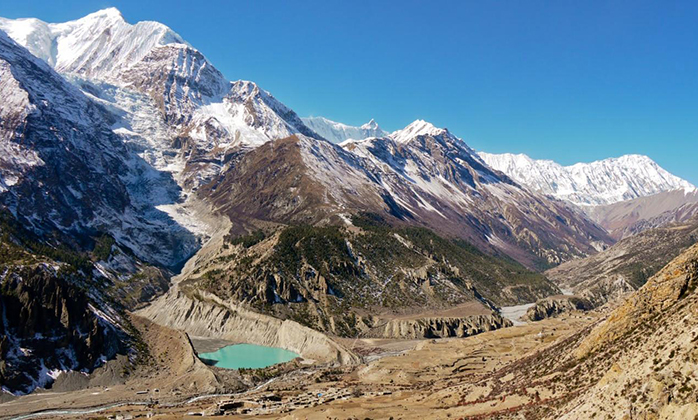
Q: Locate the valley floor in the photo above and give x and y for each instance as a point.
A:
(445, 378)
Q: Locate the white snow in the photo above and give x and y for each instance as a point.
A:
(337, 132)
(415, 129)
(186, 217)
(98, 45)
(602, 182)
(514, 313)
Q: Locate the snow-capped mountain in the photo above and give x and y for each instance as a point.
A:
(419, 175)
(169, 102)
(98, 46)
(63, 169)
(337, 132)
(602, 182)
(177, 112)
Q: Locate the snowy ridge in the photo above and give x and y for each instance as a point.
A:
(99, 45)
(337, 132)
(431, 174)
(195, 117)
(416, 129)
(602, 182)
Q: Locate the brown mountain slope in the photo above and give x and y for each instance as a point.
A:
(431, 181)
(625, 266)
(630, 217)
(639, 361)
(655, 333)
(356, 280)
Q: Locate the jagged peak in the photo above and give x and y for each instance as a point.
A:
(244, 90)
(113, 16)
(628, 159)
(85, 47)
(371, 125)
(520, 159)
(246, 86)
(415, 129)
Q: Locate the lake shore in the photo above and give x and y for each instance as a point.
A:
(209, 345)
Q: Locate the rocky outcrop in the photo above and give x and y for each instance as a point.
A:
(48, 326)
(438, 327)
(676, 281)
(649, 341)
(556, 305)
(206, 315)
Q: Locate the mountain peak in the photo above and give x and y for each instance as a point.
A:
(111, 13)
(415, 129)
(247, 87)
(371, 125)
(98, 46)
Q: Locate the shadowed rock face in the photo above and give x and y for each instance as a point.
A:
(65, 170)
(50, 325)
(61, 309)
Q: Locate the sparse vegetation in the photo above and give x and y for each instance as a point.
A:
(103, 247)
(323, 276)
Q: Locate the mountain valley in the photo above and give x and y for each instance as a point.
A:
(151, 210)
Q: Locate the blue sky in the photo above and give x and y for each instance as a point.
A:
(564, 80)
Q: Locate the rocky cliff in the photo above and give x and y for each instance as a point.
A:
(651, 338)
(206, 315)
(438, 327)
(556, 305)
(50, 326)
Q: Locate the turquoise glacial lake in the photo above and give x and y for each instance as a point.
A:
(249, 356)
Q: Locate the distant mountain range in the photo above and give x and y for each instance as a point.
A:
(603, 182)
(598, 183)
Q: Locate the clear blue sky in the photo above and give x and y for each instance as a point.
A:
(564, 80)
